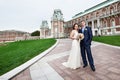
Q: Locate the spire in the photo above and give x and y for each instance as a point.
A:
(57, 15)
(44, 24)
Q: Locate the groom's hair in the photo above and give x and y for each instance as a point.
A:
(83, 21)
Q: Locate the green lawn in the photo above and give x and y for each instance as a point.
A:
(112, 40)
(16, 53)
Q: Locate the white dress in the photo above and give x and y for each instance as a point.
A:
(74, 60)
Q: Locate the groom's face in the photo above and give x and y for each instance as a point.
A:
(83, 23)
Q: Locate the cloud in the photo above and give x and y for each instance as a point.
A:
(26, 15)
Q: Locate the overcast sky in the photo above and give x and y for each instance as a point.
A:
(26, 15)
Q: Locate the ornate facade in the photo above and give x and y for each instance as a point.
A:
(44, 29)
(104, 18)
(57, 22)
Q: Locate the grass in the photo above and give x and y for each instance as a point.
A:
(16, 53)
(112, 40)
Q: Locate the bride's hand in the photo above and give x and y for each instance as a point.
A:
(72, 38)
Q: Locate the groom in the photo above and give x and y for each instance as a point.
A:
(85, 45)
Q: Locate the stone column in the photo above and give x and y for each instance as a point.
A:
(40, 33)
(93, 31)
(62, 29)
(59, 26)
(51, 28)
(98, 26)
(44, 33)
(87, 23)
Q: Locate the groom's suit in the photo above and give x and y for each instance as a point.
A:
(85, 46)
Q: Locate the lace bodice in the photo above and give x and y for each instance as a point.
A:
(75, 34)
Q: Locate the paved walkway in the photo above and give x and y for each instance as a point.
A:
(106, 59)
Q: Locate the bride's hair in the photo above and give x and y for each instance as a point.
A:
(74, 25)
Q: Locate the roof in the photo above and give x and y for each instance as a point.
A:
(13, 31)
(94, 8)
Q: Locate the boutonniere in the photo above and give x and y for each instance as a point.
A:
(86, 29)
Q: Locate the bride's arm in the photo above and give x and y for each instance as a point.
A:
(72, 35)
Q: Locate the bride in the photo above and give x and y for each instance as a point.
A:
(74, 60)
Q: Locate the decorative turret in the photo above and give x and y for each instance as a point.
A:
(57, 15)
(44, 29)
(44, 24)
(57, 22)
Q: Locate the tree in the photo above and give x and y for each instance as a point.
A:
(35, 33)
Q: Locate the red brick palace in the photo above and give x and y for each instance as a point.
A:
(10, 35)
(104, 18)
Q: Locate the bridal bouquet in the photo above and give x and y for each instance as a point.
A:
(80, 36)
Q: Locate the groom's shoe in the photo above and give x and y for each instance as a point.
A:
(85, 66)
(93, 68)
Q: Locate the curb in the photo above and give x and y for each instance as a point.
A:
(22, 67)
(108, 45)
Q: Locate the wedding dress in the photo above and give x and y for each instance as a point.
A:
(74, 60)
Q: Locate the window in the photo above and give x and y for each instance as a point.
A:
(111, 9)
(118, 6)
(104, 11)
(97, 14)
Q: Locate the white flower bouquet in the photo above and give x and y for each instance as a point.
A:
(80, 36)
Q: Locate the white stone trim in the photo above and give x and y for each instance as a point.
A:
(94, 9)
(41, 70)
(106, 44)
(108, 27)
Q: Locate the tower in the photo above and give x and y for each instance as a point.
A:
(44, 29)
(57, 22)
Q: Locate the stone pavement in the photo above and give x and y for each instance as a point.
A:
(50, 67)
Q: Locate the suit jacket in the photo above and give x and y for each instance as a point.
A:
(87, 36)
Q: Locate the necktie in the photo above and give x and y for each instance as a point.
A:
(82, 30)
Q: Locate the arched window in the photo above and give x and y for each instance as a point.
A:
(119, 20)
(56, 16)
(79, 20)
(91, 15)
(105, 23)
(112, 23)
(104, 11)
(83, 18)
(87, 17)
(111, 9)
(97, 14)
(118, 6)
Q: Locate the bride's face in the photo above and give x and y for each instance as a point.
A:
(76, 27)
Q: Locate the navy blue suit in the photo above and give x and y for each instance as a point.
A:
(85, 46)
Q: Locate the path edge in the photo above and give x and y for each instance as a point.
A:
(27, 64)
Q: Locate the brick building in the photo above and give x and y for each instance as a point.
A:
(10, 35)
(103, 18)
